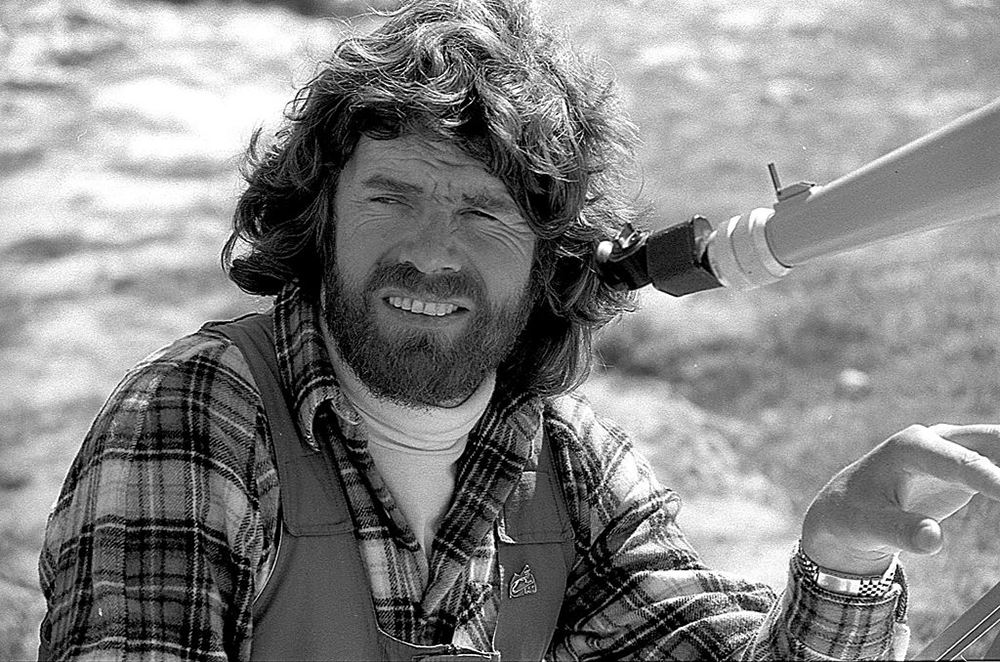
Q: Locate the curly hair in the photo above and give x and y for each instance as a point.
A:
(485, 76)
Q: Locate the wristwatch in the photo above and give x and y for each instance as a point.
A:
(869, 586)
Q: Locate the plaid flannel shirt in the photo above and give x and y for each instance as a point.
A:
(167, 517)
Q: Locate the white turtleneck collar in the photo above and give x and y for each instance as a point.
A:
(421, 429)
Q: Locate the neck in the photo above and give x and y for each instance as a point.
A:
(421, 427)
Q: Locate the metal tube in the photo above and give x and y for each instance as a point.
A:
(949, 176)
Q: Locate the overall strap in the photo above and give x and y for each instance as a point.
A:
(536, 553)
(316, 604)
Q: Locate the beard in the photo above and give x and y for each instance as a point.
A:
(418, 367)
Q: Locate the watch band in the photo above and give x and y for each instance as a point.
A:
(870, 586)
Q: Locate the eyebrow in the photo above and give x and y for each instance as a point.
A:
(386, 183)
(484, 199)
(491, 201)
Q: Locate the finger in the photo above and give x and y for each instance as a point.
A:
(926, 537)
(952, 460)
(983, 438)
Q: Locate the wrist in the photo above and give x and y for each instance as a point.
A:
(830, 556)
(872, 584)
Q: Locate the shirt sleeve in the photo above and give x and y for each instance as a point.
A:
(151, 549)
(811, 623)
(639, 590)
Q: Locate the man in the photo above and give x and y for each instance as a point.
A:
(392, 463)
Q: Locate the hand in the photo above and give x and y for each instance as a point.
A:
(895, 497)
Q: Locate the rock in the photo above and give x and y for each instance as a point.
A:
(853, 384)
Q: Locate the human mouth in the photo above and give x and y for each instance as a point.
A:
(417, 306)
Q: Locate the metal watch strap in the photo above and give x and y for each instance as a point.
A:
(870, 586)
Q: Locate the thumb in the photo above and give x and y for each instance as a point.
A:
(916, 533)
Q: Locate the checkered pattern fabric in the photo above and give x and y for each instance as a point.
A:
(167, 518)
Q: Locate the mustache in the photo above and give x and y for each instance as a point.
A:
(444, 285)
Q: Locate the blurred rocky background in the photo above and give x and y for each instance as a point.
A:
(121, 128)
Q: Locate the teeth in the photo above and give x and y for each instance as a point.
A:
(431, 308)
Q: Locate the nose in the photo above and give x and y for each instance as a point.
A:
(431, 247)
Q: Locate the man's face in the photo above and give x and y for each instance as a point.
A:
(430, 283)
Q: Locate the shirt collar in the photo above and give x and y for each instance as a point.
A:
(304, 362)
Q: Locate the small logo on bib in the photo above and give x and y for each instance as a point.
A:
(523, 583)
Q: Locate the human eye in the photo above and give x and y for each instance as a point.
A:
(380, 199)
(483, 215)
